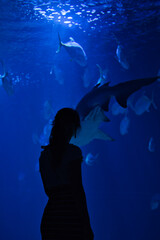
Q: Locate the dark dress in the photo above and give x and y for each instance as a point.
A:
(65, 215)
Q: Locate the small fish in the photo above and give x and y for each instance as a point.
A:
(143, 104)
(151, 145)
(86, 78)
(116, 109)
(90, 159)
(58, 74)
(21, 176)
(103, 76)
(6, 81)
(121, 57)
(124, 125)
(44, 137)
(47, 110)
(155, 201)
(75, 51)
(47, 128)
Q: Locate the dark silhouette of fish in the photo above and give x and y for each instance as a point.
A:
(101, 95)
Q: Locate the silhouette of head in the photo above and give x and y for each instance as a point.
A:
(65, 125)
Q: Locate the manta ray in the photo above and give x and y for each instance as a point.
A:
(94, 104)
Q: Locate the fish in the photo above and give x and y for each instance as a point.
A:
(103, 75)
(101, 95)
(21, 176)
(151, 145)
(6, 81)
(43, 139)
(58, 74)
(121, 57)
(124, 125)
(94, 104)
(47, 110)
(143, 104)
(86, 77)
(116, 109)
(3, 69)
(155, 201)
(90, 159)
(75, 51)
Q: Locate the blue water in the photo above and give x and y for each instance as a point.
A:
(123, 180)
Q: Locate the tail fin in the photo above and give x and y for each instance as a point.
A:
(60, 44)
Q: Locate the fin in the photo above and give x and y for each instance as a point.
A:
(125, 89)
(122, 101)
(60, 44)
(71, 39)
(8, 86)
(96, 86)
(106, 84)
(100, 71)
(102, 135)
(104, 117)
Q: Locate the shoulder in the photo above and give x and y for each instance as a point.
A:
(73, 152)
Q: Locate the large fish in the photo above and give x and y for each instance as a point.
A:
(92, 106)
(75, 51)
(101, 95)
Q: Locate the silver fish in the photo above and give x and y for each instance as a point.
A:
(121, 57)
(151, 145)
(143, 104)
(90, 159)
(124, 125)
(75, 51)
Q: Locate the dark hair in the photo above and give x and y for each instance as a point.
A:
(65, 125)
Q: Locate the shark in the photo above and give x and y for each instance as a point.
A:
(75, 51)
(95, 103)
